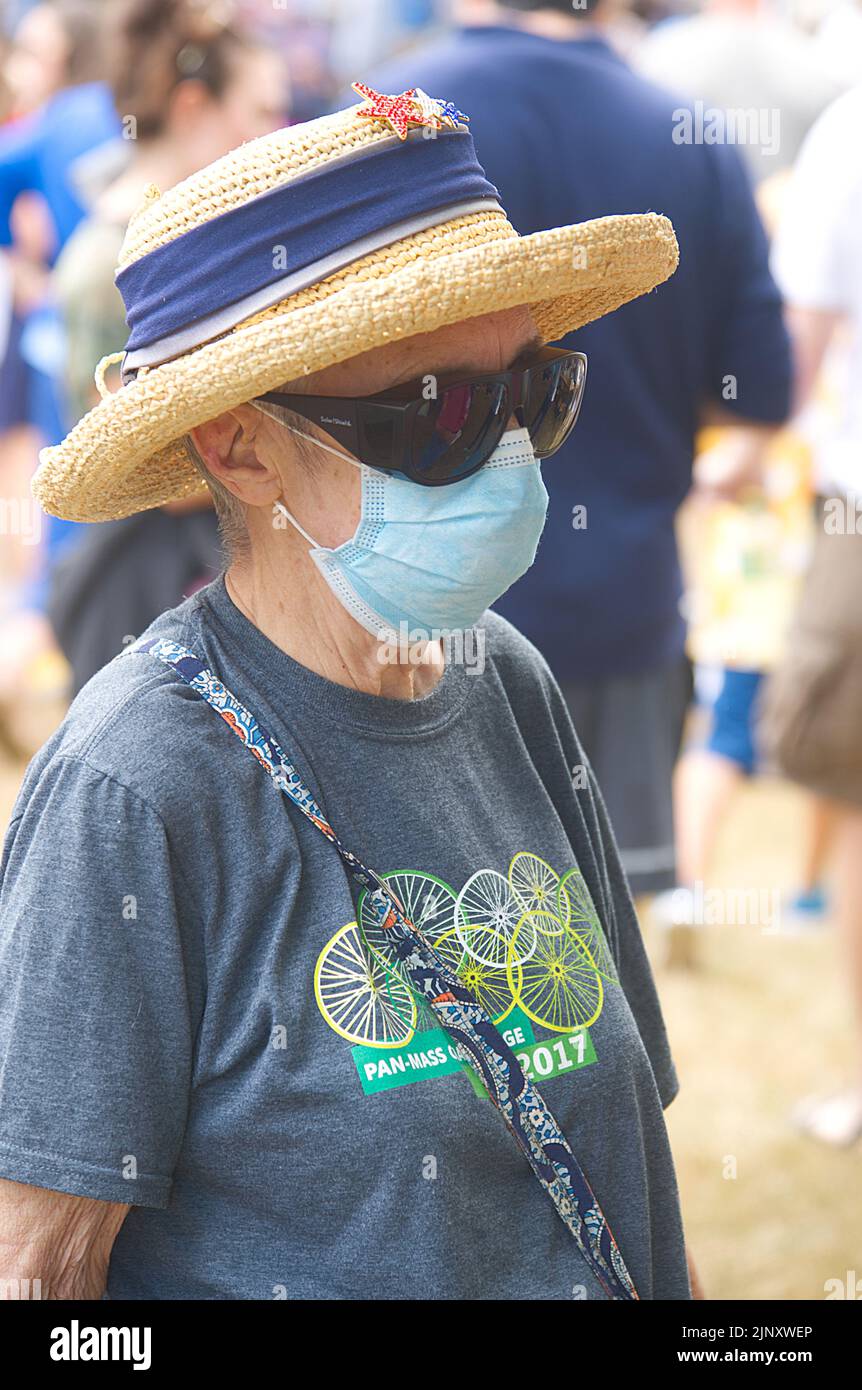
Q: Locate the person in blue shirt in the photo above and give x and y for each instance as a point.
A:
(54, 70)
(39, 152)
(578, 136)
(64, 112)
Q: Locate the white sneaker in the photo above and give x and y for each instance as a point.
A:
(835, 1120)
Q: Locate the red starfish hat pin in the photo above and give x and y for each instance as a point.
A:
(400, 111)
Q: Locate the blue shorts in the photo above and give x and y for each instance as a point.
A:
(734, 717)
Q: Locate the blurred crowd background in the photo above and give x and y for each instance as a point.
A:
(697, 590)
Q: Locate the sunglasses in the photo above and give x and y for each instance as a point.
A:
(439, 430)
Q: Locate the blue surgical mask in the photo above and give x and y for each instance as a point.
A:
(434, 558)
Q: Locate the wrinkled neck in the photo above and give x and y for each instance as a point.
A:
(292, 605)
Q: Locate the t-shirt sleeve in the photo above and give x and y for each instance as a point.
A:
(96, 1032)
(598, 858)
(626, 941)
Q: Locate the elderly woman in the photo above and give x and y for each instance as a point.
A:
(354, 1004)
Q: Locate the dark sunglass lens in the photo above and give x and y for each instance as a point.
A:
(458, 431)
(378, 436)
(552, 402)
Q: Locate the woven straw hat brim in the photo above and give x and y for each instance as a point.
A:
(127, 454)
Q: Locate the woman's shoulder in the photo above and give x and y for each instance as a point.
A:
(528, 686)
(136, 724)
(513, 655)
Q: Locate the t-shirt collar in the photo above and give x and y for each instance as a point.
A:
(287, 685)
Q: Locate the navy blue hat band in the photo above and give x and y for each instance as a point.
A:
(282, 232)
(223, 320)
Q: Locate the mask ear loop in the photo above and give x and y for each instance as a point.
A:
(266, 409)
(301, 529)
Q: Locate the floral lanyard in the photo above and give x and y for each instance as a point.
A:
(478, 1042)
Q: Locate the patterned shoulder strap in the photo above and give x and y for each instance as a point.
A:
(478, 1042)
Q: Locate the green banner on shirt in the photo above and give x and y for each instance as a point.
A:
(431, 1053)
(550, 1057)
(553, 1056)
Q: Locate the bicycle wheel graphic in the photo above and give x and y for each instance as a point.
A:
(489, 984)
(487, 918)
(360, 997)
(558, 986)
(430, 905)
(584, 922)
(536, 886)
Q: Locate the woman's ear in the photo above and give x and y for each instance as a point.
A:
(228, 446)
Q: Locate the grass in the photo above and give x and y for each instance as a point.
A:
(765, 1020)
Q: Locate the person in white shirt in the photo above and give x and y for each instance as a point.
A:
(815, 706)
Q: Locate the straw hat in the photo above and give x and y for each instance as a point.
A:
(300, 250)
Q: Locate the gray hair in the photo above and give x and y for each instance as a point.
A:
(229, 510)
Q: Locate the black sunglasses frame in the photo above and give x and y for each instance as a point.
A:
(345, 417)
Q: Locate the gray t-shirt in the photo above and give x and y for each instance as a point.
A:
(192, 1022)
